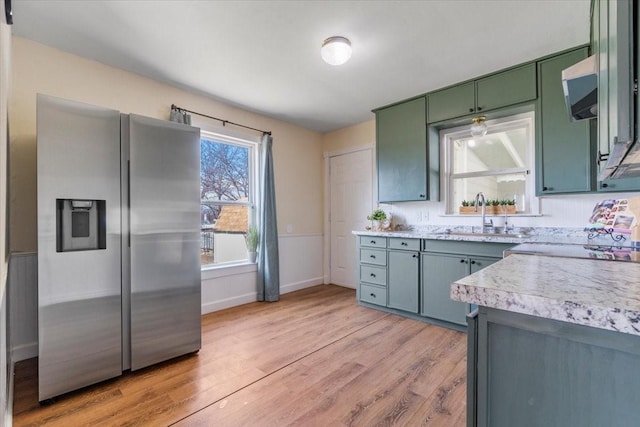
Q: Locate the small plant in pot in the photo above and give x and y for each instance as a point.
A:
(508, 206)
(252, 238)
(376, 218)
(467, 207)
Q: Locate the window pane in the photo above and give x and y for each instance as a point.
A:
(224, 177)
(498, 187)
(224, 171)
(222, 234)
(496, 150)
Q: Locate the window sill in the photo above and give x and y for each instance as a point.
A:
(216, 271)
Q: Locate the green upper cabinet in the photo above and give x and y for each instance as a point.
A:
(498, 90)
(603, 24)
(564, 149)
(452, 102)
(401, 143)
(506, 88)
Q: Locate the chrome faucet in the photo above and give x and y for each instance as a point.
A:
(483, 204)
(508, 227)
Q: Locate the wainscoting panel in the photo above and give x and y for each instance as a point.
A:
(300, 261)
(6, 366)
(23, 285)
(300, 267)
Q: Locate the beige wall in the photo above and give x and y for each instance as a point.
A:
(352, 136)
(40, 69)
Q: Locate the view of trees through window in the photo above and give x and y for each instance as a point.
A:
(225, 194)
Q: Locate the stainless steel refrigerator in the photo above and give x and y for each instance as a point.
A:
(118, 243)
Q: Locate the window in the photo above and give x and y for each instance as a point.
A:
(227, 197)
(498, 164)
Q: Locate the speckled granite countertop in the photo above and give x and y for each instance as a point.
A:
(557, 235)
(596, 293)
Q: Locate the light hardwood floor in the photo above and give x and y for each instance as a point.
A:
(315, 358)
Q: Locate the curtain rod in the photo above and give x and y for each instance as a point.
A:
(224, 122)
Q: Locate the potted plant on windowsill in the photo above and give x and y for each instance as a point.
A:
(466, 208)
(508, 207)
(252, 238)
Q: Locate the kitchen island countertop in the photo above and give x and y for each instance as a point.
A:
(596, 293)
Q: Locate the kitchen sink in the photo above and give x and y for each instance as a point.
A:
(478, 234)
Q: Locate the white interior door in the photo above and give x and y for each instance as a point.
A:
(351, 200)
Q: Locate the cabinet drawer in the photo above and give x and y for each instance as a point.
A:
(408, 244)
(371, 274)
(373, 241)
(373, 256)
(373, 294)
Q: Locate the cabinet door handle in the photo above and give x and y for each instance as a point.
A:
(372, 256)
(403, 243)
(462, 260)
(605, 185)
(546, 188)
(473, 262)
(422, 195)
(372, 275)
(479, 108)
(471, 110)
(415, 255)
(373, 295)
(373, 242)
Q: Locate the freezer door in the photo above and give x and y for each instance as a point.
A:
(79, 321)
(164, 217)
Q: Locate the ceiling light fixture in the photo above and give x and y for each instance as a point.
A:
(478, 127)
(336, 50)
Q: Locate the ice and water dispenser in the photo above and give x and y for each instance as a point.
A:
(81, 225)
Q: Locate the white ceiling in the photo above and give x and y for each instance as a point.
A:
(264, 56)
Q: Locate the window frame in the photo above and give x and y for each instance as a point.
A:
(448, 135)
(253, 147)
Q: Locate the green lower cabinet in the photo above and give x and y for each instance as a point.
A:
(531, 371)
(403, 283)
(439, 271)
(478, 263)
